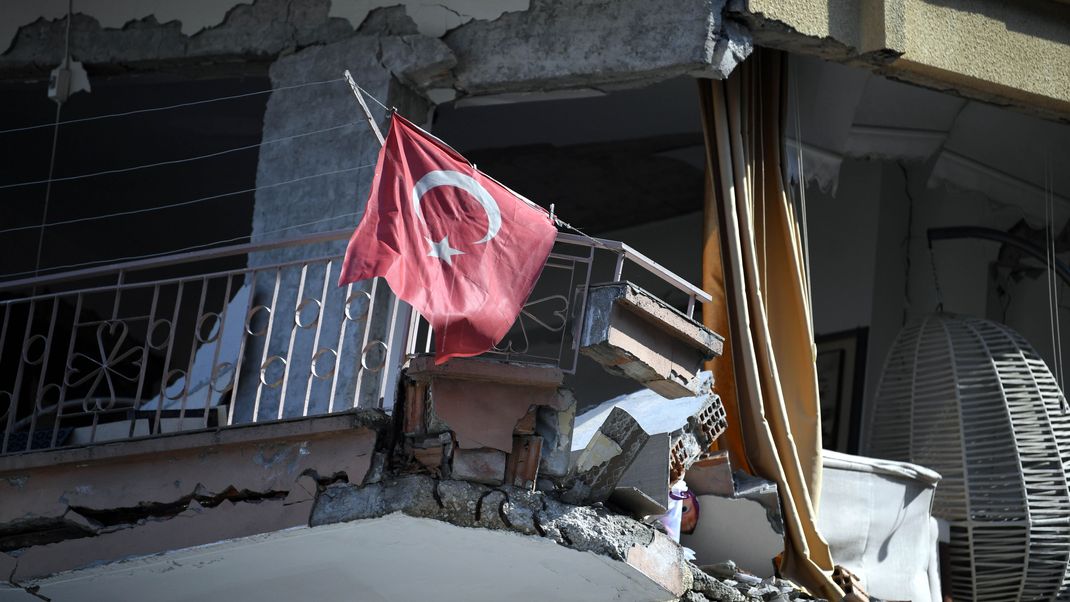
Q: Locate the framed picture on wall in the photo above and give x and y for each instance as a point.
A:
(841, 370)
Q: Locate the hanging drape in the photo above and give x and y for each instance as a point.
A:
(753, 259)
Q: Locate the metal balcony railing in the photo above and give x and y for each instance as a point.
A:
(179, 343)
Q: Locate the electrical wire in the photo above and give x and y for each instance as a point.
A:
(186, 203)
(178, 161)
(175, 106)
(183, 249)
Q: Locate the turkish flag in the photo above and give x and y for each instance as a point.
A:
(459, 247)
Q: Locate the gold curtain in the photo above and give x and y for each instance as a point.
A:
(753, 259)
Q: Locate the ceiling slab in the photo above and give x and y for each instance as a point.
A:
(395, 557)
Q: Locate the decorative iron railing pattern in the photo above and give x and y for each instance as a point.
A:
(183, 343)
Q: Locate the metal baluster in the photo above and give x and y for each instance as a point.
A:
(569, 299)
(578, 325)
(12, 409)
(386, 359)
(414, 333)
(316, 340)
(364, 344)
(39, 395)
(117, 298)
(293, 335)
(218, 346)
(148, 342)
(172, 330)
(66, 366)
(18, 377)
(192, 353)
(341, 342)
(245, 334)
(267, 345)
(619, 268)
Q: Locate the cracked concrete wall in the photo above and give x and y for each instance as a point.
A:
(86, 505)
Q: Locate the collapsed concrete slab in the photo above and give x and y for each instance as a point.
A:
(599, 465)
(633, 334)
(418, 538)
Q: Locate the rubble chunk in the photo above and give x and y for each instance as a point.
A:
(609, 452)
(681, 433)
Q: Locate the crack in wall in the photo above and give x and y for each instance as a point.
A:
(81, 522)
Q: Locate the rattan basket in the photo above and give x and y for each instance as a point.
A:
(971, 399)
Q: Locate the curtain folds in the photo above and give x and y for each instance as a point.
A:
(753, 259)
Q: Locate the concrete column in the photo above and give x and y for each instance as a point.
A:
(324, 203)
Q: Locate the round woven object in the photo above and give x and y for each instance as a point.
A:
(971, 399)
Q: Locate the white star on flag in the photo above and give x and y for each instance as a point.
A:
(443, 250)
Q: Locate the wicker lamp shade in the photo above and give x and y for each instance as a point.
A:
(971, 399)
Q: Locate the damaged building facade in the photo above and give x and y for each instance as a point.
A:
(192, 408)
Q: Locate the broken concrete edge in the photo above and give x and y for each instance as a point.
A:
(658, 312)
(506, 508)
(582, 528)
(524, 513)
(373, 419)
(422, 368)
(469, 63)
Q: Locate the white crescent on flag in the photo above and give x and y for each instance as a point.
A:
(467, 183)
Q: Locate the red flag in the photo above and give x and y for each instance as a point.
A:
(460, 248)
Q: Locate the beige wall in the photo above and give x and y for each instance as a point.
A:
(1003, 51)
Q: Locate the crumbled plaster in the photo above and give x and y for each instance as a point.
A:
(585, 528)
(431, 18)
(591, 45)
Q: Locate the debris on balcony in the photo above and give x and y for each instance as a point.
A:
(736, 507)
(633, 334)
(600, 464)
(680, 431)
(488, 421)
